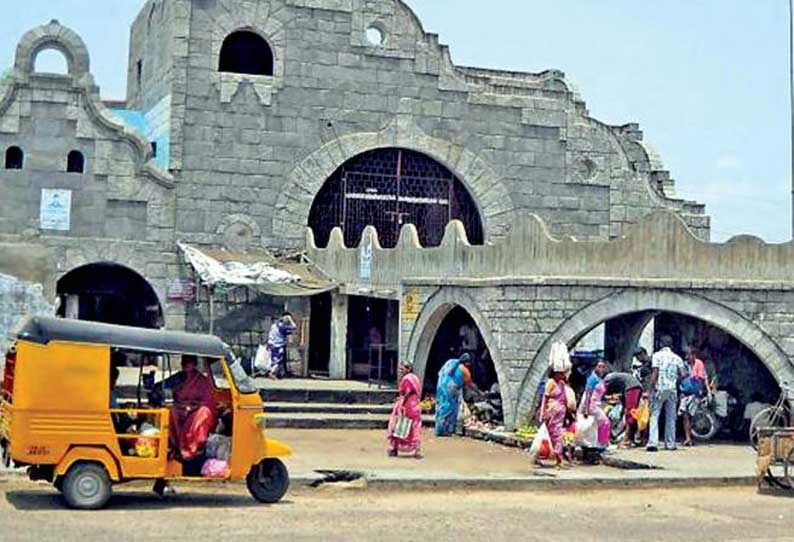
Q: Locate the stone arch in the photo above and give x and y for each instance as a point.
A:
(246, 52)
(433, 312)
(101, 251)
(637, 300)
(293, 205)
(112, 293)
(53, 36)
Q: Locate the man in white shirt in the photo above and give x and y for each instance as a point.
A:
(667, 368)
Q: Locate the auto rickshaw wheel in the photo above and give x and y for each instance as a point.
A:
(268, 481)
(86, 486)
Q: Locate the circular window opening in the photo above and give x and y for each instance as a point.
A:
(375, 36)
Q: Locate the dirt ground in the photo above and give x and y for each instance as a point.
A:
(34, 512)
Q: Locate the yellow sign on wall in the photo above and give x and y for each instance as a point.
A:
(411, 305)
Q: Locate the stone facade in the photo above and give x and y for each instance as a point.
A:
(121, 204)
(240, 159)
(531, 289)
(262, 146)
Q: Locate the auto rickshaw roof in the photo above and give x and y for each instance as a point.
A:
(42, 330)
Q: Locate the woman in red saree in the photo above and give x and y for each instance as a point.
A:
(193, 415)
(407, 404)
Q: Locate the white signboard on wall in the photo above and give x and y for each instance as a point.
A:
(56, 209)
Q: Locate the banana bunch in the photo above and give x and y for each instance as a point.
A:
(428, 404)
(527, 432)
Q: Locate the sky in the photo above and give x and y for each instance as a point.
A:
(707, 80)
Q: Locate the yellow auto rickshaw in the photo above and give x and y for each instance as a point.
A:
(62, 418)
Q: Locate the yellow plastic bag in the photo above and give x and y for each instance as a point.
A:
(642, 414)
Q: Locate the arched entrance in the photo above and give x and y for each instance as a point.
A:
(388, 188)
(692, 321)
(445, 320)
(458, 333)
(109, 293)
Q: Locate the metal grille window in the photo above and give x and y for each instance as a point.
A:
(388, 188)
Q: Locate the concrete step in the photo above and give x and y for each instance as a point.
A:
(372, 396)
(333, 421)
(326, 408)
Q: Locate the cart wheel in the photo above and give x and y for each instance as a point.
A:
(268, 481)
(788, 469)
(86, 486)
(771, 417)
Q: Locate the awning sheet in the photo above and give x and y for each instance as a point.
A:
(257, 270)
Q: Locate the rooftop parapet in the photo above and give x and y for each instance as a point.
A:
(659, 248)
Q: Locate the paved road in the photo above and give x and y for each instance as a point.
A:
(34, 512)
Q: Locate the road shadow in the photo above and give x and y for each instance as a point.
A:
(39, 500)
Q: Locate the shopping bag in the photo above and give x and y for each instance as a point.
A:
(402, 427)
(642, 414)
(262, 359)
(541, 445)
(586, 432)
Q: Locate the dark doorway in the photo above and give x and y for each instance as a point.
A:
(372, 327)
(246, 52)
(109, 293)
(388, 188)
(320, 334)
(458, 333)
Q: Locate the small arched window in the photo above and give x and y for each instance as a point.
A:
(246, 52)
(14, 158)
(75, 162)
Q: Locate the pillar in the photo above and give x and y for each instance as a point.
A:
(337, 365)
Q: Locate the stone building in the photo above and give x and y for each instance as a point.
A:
(248, 120)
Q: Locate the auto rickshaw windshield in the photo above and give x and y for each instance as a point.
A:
(244, 383)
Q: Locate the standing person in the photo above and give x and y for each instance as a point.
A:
(553, 408)
(666, 369)
(641, 367)
(277, 345)
(591, 402)
(692, 389)
(452, 378)
(407, 404)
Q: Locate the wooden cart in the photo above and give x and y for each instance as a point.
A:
(776, 457)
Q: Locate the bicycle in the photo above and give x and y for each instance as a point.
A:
(777, 416)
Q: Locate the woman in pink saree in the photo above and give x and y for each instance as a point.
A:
(193, 415)
(553, 408)
(407, 404)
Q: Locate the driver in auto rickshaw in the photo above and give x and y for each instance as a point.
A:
(193, 416)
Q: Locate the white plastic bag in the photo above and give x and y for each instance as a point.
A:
(541, 445)
(559, 358)
(586, 432)
(262, 359)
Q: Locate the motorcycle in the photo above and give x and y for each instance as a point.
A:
(712, 415)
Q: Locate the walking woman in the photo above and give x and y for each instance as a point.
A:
(591, 403)
(452, 378)
(407, 405)
(553, 409)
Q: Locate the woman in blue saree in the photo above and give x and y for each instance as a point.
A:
(452, 378)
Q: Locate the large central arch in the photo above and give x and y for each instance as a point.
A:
(307, 178)
(388, 188)
(638, 300)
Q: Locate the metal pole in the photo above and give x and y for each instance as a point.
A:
(791, 99)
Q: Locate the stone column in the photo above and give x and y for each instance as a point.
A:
(337, 365)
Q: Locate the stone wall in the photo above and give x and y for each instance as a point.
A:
(262, 146)
(18, 299)
(520, 319)
(121, 207)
